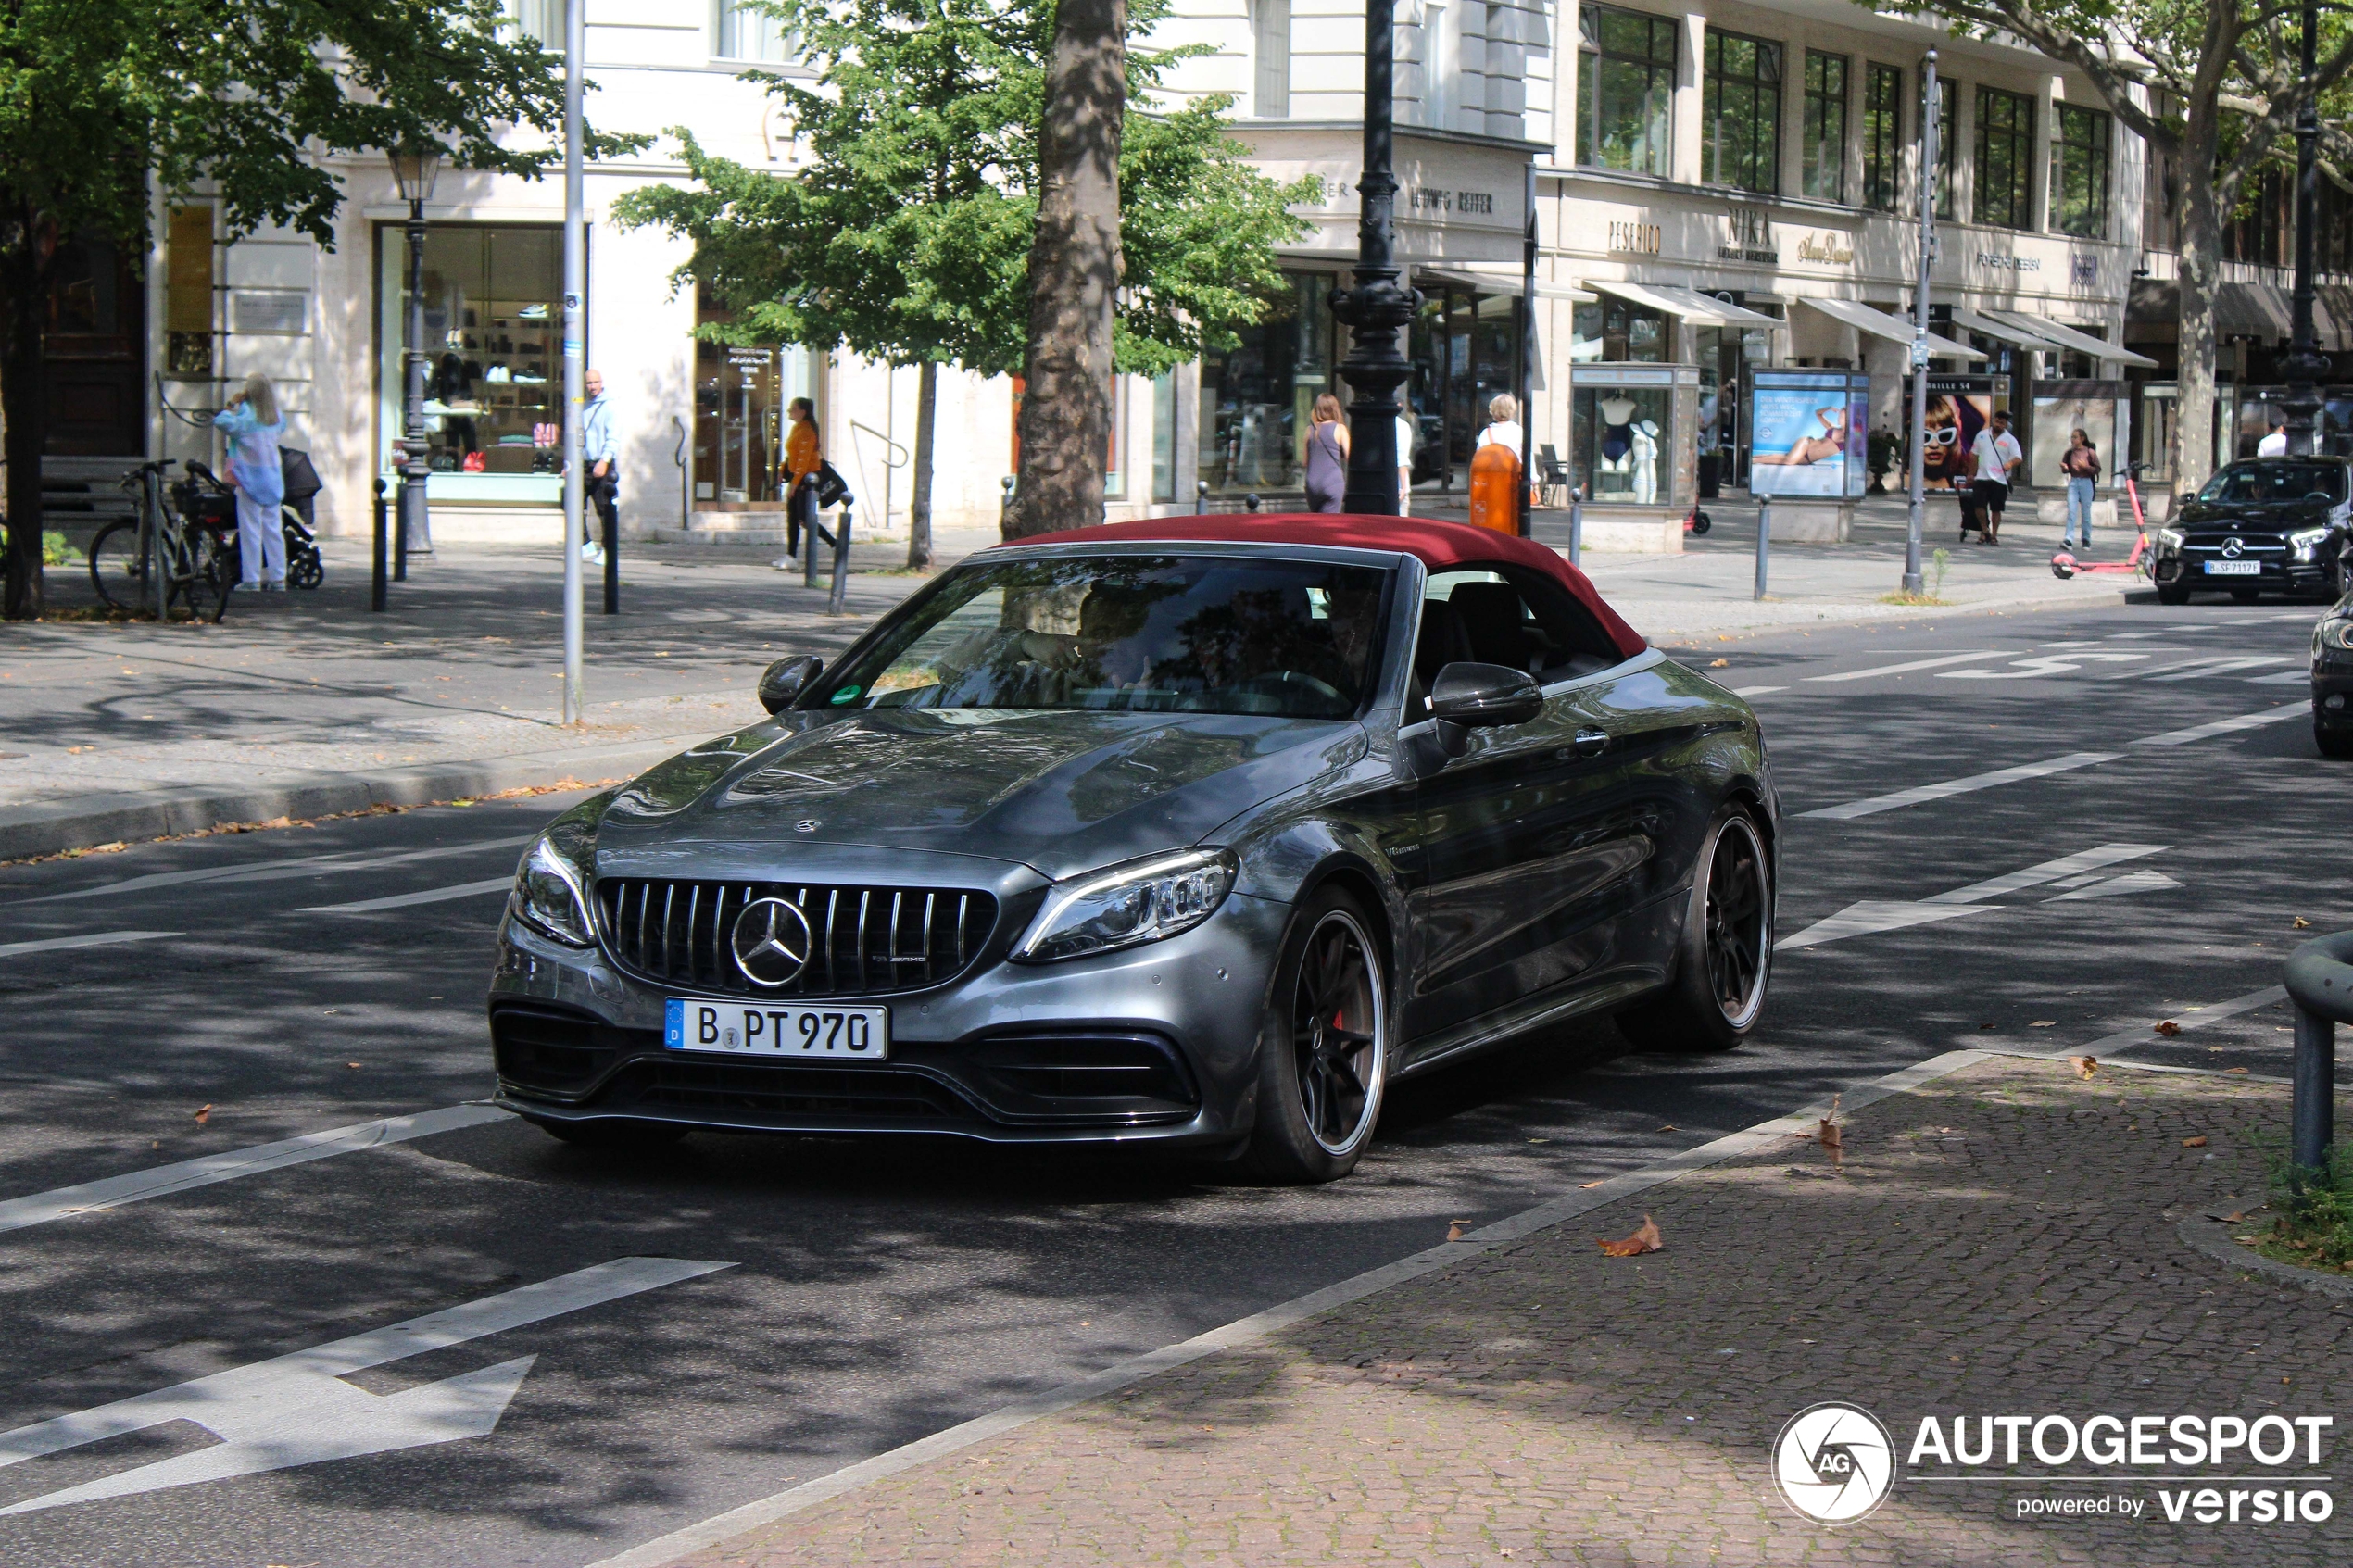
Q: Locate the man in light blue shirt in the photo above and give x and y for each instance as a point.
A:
(597, 450)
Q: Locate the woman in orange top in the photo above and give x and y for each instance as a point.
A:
(801, 457)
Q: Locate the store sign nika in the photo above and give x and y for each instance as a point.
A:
(1748, 236)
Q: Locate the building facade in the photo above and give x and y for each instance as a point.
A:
(1717, 191)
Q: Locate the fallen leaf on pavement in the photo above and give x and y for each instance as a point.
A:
(2085, 1065)
(2043, 1023)
(352, 1064)
(2197, 1142)
(2235, 1069)
(1670, 1127)
(1643, 1240)
(2302, 924)
(1831, 1137)
(204, 1116)
(2168, 1028)
(1454, 1229)
(1587, 1186)
(1719, 663)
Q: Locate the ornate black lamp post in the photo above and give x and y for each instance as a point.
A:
(1379, 305)
(415, 168)
(2305, 366)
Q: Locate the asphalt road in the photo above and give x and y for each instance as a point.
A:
(875, 1292)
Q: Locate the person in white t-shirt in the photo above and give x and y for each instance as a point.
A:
(1406, 434)
(1995, 455)
(2275, 443)
(1504, 409)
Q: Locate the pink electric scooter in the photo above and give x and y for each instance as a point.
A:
(2064, 566)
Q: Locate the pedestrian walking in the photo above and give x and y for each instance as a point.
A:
(1991, 460)
(2081, 465)
(1502, 413)
(252, 424)
(596, 451)
(1326, 456)
(1407, 433)
(2275, 443)
(802, 456)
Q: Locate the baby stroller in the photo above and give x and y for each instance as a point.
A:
(304, 567)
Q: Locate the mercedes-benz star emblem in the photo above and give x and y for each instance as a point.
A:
(770, 941)
(2234, 546)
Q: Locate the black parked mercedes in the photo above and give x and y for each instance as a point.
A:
(1197, 832)
(2276, 523)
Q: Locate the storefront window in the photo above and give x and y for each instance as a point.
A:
(494, 381)
(1465, 348)
(741, 393)
(2080, 172)
(1615, 330)
(1742, 109)
(1882, 135)
(1825, 126)
(1165, 436)
(1947, 146)
(1256, 396)
(1625, 89)
(1621, 442)
(2004, 158)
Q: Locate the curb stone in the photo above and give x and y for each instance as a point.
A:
(2213, 1238)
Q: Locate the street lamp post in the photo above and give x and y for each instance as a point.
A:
(2305, 366)
(1379, 305)
(1918, 431)
(415, 170)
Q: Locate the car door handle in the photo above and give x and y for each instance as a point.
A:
(1591, 743)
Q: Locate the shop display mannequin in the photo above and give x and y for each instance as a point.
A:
(1615, 467)
(1646, 462)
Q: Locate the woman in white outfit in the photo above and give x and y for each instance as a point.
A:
(252, 424)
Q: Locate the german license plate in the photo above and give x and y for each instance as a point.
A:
(2234, 569)
(802, 1034)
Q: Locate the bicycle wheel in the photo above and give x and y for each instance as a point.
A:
(118, 568)
(210, 587)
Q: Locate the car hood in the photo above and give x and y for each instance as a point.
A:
(2257, 517)
(1063, 792)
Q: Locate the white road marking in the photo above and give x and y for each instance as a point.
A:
(1886, 914)
(1915, 796)
(2131, 881)
(1756, 691)
(2205, 667)
(402, 901)
(2285, 678)
(1915, 664)
(332, 864)
(158, 1180)
(95, 940)
(2224, 726)
(2040, 668)
(296, 1409)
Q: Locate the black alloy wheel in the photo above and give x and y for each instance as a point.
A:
(1725, 957)
(1323, 1053)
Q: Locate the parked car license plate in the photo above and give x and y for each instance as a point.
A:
(801, 1033)
(2234, 569)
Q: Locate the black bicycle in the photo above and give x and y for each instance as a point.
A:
(192, 542)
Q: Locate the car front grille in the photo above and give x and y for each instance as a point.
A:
(2260, 549)
(863, 940)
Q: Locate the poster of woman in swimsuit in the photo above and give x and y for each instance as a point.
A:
(1805, 435)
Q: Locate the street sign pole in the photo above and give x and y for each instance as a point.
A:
(575, 365)
(1917, 434)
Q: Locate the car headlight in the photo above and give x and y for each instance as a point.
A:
(2170, 540)
(551, 884)
(2304, 541)
(1139, 902)
(2336, 633)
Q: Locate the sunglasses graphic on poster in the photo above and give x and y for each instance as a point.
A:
(1958, 407)
(1806, 434)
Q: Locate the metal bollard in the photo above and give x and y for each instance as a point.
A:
(1575, 525)
(1005, 506)
(377, 566)
(1201, 497)
(2320, 982)
(1764, 539)
(1250, 502)
(836, 601)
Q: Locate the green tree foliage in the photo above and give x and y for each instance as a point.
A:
(105, 102)
(906, 237)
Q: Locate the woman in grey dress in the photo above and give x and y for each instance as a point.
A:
(1326, 456)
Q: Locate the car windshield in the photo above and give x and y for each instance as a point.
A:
(1151, 633)
(2275, 482)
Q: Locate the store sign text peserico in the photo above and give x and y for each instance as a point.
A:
(2142, 1449)
(1640, 239)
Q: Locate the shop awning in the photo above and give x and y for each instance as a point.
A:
(2068, 338)
(2019, 337)
(1690, 304)
(1878, 323)
(1502, 284)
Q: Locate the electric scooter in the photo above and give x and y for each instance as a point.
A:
(2064, 566)
(1697, 522)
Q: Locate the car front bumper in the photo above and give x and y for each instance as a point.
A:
(1157, 1043)
(2332, 692)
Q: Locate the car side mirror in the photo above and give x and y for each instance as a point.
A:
(784, 681)
(1472, 696)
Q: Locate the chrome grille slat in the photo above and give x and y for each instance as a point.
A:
(865, 940)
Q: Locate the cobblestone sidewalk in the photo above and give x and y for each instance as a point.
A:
(2002, 1240)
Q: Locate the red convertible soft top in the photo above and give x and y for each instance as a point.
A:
(1441, 547)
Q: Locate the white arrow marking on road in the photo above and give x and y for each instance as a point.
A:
(430, 895)
(2204, 668)
(1903, 669)
(2131, 881)
(296, 1409)
(95, 940)
(1877, 914)
(2040, 668)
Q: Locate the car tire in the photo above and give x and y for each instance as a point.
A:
(1723, 961)
(613, 1136)
(2173, 593)
(2337, 744)
(1323, 1052)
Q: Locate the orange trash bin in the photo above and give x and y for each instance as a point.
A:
(1494, 489)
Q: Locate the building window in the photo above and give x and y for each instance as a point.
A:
(742, 33)
(1948, 154)
(1270, 34)
(2080, 172)
(2161, 185)
(1625, 89)
(1883, 134)
(1742, 106)
(2004, 158)
(1825, 126)
(494, 375)
(187, 292)
(1613, 330)
(542, 19)
(1256, 396)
